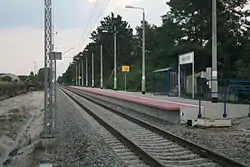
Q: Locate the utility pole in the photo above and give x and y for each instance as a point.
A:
(82, 72)
(87, 80)
(76, 75)
(101, 67)
(115, 79)
(143, 81)
(48, 126)
(143, 89)
(93, 71)
(214, 53)
(79, 73)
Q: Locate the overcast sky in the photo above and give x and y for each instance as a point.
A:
(21, 28)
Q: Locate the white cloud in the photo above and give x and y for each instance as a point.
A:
(92, 1)
(153, 9)
(123, 3)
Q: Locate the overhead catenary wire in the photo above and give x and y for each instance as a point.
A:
(100, 13)
(83, 35)
(86, 33)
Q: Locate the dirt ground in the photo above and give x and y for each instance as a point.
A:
(21, 121)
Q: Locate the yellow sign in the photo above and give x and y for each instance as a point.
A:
(125, 68)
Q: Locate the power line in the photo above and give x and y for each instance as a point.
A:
(84, 31)
(88, 22)
(87, 33)
(97, 18)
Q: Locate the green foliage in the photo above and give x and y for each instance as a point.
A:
(6, 85)
(23, 78)
(186, 27)
(6, 79)
(41, 75)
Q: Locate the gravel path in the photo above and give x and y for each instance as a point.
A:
(232, 142)
(77, 143)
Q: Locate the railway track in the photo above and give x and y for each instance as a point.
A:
(152, 145)
(121, 146)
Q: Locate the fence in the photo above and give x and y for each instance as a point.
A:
(229, 90)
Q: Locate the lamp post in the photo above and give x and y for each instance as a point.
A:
(86, 70)
(115, 56)
(79, 73)
(101, 67)
(214, 53)
(115, 78)
(82, 72)
(76, 75)
(82, 67)
(143, 82)
(93, 71)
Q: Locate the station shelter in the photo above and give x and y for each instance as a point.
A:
(166, 81)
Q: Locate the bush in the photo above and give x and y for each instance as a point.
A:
(13, 87)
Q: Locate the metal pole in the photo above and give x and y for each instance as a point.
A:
(47, 65)
(179, 78)
(214, 53)
(55, 83)
(125, 81)
(199, 87)
(82, 72)
(76, 75)
(115, 79)
(225, 106)
(93, 72)
(87, 80)
(101, 68)
(79, 73)
(193, 77)
(143, 56)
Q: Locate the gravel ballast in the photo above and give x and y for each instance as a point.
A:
(232, 142)
(77, 142)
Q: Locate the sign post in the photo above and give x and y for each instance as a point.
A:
(125, 80)
(125, 69)
(187, 58)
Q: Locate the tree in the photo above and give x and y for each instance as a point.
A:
(193, 19)
(41, 75)
(186, 27)
(104, 35)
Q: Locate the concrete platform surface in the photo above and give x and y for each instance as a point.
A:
(189, 107)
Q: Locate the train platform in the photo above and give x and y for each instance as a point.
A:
(188, 108)
(211, 110)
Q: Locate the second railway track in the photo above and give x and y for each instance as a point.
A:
(154, 146)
